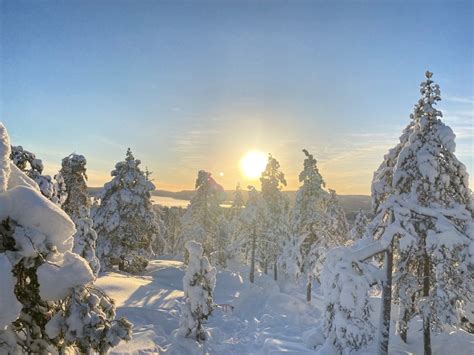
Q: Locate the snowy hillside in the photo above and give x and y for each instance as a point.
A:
(267, 318)
(262, 275)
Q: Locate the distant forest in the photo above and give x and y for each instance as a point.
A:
(350, 203)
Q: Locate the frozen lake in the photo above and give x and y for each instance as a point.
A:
(173, 202)
(169, 201)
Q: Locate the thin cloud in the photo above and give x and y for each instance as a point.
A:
(459, 99)
(106, 140)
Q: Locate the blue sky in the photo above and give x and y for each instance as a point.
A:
(192, 85)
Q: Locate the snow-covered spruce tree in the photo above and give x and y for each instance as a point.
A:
(338, 227)
(381, 190)
(202, 216)
(198, 285)
(346, 319)
(74, 173)
(307, 224)
(277, 230)
(425, 210)
(125, 221)
(360, 225)
(53, 189)
(77, 206)
(47, 303)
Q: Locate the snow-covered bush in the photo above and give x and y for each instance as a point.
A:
(77, 206)
(125, 222)
(198, 285)
(45, 291)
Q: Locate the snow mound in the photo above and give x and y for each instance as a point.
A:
(29, 209)
(60, 274)
(18, 178)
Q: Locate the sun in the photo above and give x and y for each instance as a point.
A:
(253, 163)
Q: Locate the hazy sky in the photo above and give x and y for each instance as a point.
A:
(192, 85)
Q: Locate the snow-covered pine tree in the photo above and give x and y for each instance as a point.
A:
(254, 219)
(202, 216)
(307, 224)
(160, 243)
(360, 225)
(125, 221)
(236, 245)
(338, 227)
(425, 211)
(53, 189)
(198, 286)
(223, 247)
(59, 190)
(77, 206)
(277, 230)
(47, 303)
(172, 217)
(238, 202)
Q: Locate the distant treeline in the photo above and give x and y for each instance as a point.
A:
(350, 203)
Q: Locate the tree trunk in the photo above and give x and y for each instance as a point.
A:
(309, 287)
(403, 325)
(265, 267)
(275, 271)
(405, 315)
(252, 261)
(384, 334)
(426, 315)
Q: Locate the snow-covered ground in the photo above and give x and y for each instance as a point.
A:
(268, 317)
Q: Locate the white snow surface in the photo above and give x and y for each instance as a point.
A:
(5, 150)
(268, 317)
(61, 273)
(28, 208)
(9, 306)
(18, 178)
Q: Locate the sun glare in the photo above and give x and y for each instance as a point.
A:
(253, 163)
